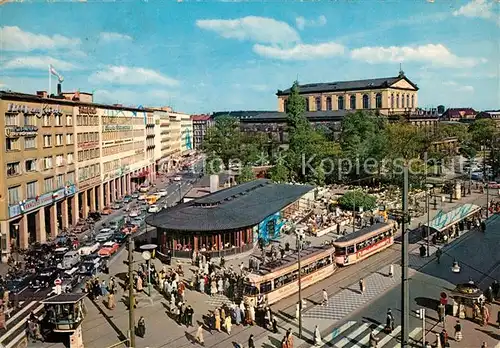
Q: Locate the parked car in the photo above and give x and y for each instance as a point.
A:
(162, 193)
(95, 215)
(59, 254)
(89, 248)
(108, 249)
(129, 229)
(106, 211)
(104, 235)
(44, 278)
(154, 208)
(493, 185)
(177, 178)
(91, 265)
(19, 283)
(142, 197)
(120, 237)
(116, 206)
(134, 213)
(127, 199)
(135, 195)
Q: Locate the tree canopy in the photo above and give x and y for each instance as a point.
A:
(353, 200)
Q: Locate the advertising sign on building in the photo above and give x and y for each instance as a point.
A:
(25, 109)
(24, 131)
(89, 110)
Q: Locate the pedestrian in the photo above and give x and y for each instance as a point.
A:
(199, 334)
(362, 287)
(486, 315)
(251, 344)
(228, 324)
(141, 327)
(389, 322)
(289, 338)
(217, 319)
(438, 341)
(284, 343)
(484, 345)
(439, 253)
(458, 331)
(496, 288)
(189, 316)
(444, 338)
(111, 300)
(317, 337)
(297, 311)
(373, 339)
(325, 298)
(275, 325)
(391, 270)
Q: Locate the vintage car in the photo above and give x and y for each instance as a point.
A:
(127, 199)
(120, 237)
(44, 278)
(70, 279)
(134, 213)
(108, 249)
(89, 248)
(90, 266)
(130, 228)
(104, 235)
(106, 211)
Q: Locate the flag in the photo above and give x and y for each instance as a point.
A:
(55, 73)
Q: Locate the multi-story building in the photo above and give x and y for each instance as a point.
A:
(459, 115)
(37, 188)
(163, 148)
(387, 95)
(200, 125)
(186, 134)
(64, 157)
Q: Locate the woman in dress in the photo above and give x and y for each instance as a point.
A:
(199, 335)
(317, 337)
(217, 320)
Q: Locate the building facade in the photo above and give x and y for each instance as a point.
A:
(65, 157)
(388, 96)
(200, 125)
(186, 143)
(459, 115)
(38, 186)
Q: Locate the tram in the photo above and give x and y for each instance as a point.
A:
(279, 279)
(361, 244)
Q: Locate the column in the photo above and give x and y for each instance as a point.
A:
(64, 213)
(119, 185)
(129, 184)
(75, 208)
(100, 192)
(195, 241)
(5, 240)
(108, 193)
(112, 190)
(54, 230)
(23, 232)
(85, 204)
(41, 234)
(92, 199)
(124, 185)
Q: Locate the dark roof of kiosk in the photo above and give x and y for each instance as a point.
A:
(64, 298)
(236, 207)
(362, 232)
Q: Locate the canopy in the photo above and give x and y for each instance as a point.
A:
(443, 221)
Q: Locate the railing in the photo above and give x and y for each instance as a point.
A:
(216, 253)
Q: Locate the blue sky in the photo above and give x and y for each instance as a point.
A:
(210, 56)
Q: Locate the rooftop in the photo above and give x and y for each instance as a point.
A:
(382, 82)
(64, 298)
(362, 232)
(233, 208)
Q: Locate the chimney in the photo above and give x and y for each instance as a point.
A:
(59, 91)
(214, 183)
(42, 94)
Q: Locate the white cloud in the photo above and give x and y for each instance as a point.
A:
(37, 63)
(476, 9)
(124, 75)
(436, 54)
(300, 51)
(252, 28)
(14, 39)
(458, 87)
(301, 22)
(110, 36)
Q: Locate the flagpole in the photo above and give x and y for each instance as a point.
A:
(50, 82)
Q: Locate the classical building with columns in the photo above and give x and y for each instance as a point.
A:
(387, 95)
(65, 156)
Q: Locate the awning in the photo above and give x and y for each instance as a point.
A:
(443, 221)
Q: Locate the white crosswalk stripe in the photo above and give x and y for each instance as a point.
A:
(357, 335)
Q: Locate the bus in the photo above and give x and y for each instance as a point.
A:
(279, 279)
(361, 244)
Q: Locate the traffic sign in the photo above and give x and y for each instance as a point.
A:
(57, 282)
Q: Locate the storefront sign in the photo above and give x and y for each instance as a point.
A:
(89, 144)
(29, 205)
(24, 131)
(89, 110)
(88, 183)
(25, 109)
(116, 128)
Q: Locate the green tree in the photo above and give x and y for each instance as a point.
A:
(279, 173)
(295, 107)
(213, 165)
(358, 199)
(483, 132)
(246, 174)
(223, 140)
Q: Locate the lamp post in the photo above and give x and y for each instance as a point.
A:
(487, 200)
(354, 213)
(299, 248)
(16, 249)
(428, 186)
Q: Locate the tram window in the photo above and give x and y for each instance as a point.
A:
(340, 251)
(285, 279)
(250, 290)
(350, 249)
(266, 287)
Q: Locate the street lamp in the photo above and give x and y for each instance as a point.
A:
(146, 255)
(16, 228)
(428, 186)
(487, 200)
(298, 236)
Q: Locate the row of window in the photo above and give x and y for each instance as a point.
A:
(59, 140)
(351, 249)
(33, 189)
(119, 148)
(85, 155)
(366, 103)
(111, 165)
(122, 135)
(89, 172)
(87, 137)
(129, 160)
(47, 120)
(33, 165)
(87, 120)
(14, 144)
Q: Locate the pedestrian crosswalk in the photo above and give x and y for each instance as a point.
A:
(218, 300)
(357, 335)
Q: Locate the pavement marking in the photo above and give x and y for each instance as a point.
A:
(11, 319)
(412, 336)
(389, 337)
(18, 325)
(346, 340)
(365, 340)
(338, 331)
